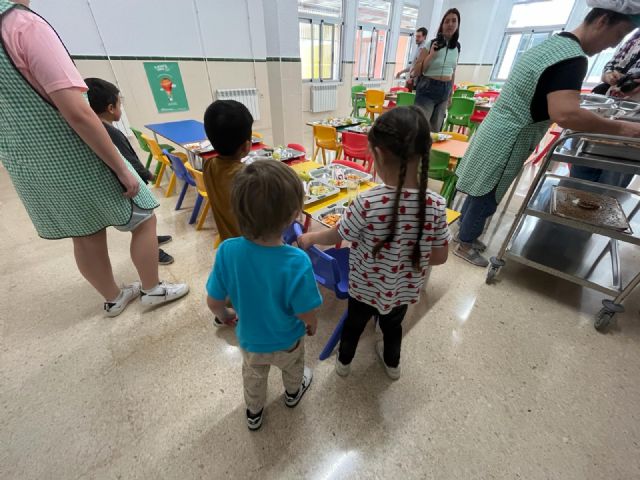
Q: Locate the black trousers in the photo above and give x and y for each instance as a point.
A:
(357, 317)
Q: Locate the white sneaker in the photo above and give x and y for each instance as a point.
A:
(393, 373)
(292, 399)
(342, 369)
(127, 294)
(164, 292)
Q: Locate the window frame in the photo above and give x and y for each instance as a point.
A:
(337, 31)
(374, 28)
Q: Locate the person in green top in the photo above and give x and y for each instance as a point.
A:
(543, 87)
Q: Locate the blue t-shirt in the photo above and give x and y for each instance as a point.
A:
(268, 287)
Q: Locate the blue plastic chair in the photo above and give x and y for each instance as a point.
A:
(183, 174)
(331, 270)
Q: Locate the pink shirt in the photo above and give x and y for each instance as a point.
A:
(38, 53)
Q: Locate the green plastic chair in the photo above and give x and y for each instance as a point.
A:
(463, 93)
(405, 99)
(145, 148)
(459, 113)
(439, 170)
(357, 103)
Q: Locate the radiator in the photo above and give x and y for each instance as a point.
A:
(375, 85)
(246, 96)
(324, 98)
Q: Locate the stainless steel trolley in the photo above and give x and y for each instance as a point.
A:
(572, 249)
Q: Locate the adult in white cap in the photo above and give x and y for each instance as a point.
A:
(543, 87)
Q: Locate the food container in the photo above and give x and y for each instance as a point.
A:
(330, 216)
(281, 154)
(313, 195)
(330, 174)
(594, 99)
(611, 149)
(628, 107)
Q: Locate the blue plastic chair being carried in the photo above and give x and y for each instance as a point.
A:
(177, 165)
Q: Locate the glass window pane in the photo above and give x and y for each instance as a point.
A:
(509, 55)
(381, 41)
(315, 29)
(305, 49)
(540, 14)
(409, 18)
(362, 66)
(323, 8)
(404, 42)
(336, 52)
(374, 11)
(327, 51)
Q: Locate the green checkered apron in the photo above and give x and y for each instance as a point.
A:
(65, 187)
(508, 136)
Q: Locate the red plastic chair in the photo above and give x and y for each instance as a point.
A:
(297, 146)
(347, 163)
(356, 147)
(392, 104)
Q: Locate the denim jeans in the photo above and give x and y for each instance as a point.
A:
(606, 177)
(474, 214)
(433, 97)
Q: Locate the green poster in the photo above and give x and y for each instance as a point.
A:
(167, 87)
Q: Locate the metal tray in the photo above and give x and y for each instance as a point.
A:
(595, 99)
(310, 199)
(606, 211)
(285, 155)
(605, 148)
(327, 174)
(337, 209)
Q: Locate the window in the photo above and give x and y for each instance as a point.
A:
(406, 44)
(371, 38)
(320, 27)
(531, 23)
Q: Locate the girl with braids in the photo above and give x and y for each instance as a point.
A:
(397, 230)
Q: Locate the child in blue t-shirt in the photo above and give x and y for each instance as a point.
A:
(270, 284)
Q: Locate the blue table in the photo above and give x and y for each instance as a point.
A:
(181, 132)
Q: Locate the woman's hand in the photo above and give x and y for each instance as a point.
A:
(433, 49)
(129, 182)
(612, 78)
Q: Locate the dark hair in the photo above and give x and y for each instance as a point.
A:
(423, 31)
(101, 94)
(403, 133)
(453, 41)
(228, 125)
(611, 17)
(265, 197)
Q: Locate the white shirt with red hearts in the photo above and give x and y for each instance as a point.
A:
(389, 280)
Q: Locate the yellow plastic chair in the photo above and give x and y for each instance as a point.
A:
(164, 162)
(457, 136)
(326, 138)
(202, 190)
(374, 100)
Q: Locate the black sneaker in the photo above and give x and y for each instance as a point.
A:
(162, 239)
(254, 420)
(164, 258)
(293, 399)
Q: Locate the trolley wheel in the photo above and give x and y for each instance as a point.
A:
(491, 274)
(603, 320)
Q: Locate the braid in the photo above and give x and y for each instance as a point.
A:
(424, 176)
(396, 206)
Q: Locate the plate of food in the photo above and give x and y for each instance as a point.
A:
(317, 190)
(340, 176)
(440, 137)
(330, 216)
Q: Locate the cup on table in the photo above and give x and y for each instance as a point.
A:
(352, 190)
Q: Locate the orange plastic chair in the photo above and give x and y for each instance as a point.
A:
(326, 138)
(374, 100)
(164, 162)
(202, 190)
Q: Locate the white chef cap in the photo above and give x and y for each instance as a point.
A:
(627, 7)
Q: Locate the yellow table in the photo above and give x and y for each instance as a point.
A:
(452, 215)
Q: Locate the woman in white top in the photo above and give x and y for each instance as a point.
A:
(435, 70)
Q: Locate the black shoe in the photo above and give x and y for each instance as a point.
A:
(293, 399)
(254, 420)
(162, 239)
(164, 258)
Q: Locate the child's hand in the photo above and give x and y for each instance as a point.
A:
(305, 241)
(230, 317)
(312, 326)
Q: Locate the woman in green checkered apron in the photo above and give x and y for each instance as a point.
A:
(543, 87)
(69, 176)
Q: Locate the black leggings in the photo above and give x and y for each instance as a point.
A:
(357, 318)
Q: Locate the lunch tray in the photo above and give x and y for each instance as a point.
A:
(311, 199)
(285, 155)
(607, 148)
(326, 173)
(337, 208)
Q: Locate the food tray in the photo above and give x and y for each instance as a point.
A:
(440, 137)
(310, 199)
(607, 148)
(601, 210)
(285, 153)
(338, 122)
(327, 174)
(363, 129)
(336, 209)
(595, 99)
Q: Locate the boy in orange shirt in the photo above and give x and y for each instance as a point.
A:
(228, 125)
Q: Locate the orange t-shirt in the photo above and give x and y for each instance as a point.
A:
(218, 177)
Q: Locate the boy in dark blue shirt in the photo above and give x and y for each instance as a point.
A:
(271, 285)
